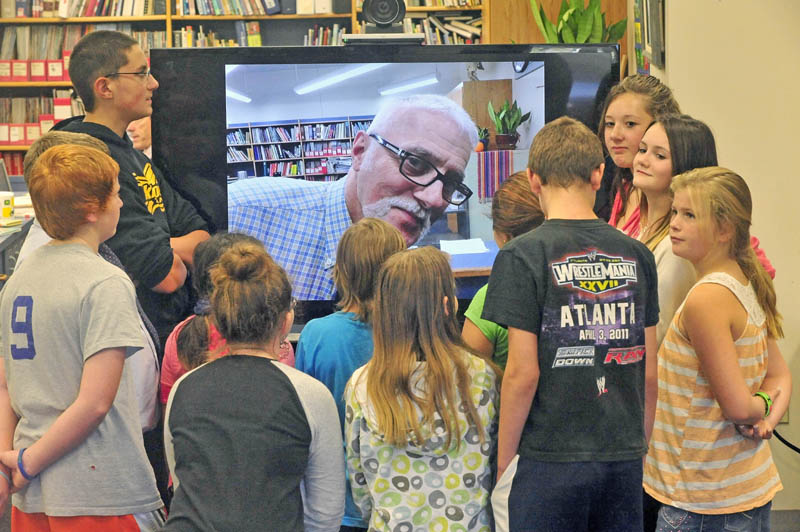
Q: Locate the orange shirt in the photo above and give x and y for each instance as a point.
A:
(697, 460)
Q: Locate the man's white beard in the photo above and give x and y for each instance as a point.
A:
(381, 208)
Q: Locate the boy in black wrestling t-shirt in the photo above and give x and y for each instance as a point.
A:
(580, 302)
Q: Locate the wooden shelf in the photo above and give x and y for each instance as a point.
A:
(10, 84)
(259, 17)
(14, 147)
(81, 20)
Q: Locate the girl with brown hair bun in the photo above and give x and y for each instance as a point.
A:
(253, 443)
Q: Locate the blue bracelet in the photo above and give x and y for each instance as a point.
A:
(21, 468)
(3, 474)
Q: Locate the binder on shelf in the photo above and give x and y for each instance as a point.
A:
(55, 70)
(4, 138)
(273, 6)
(62, 109)
(32, 132)
(305, 7)
(46, 123)
(19, 70)
(16, 134)
(322, 7)
(65, 59)
(22, 8)
(38, 70)
(7, 9)
(5, 69)
(288, 7)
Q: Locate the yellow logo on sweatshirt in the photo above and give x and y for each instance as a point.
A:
(152, 192)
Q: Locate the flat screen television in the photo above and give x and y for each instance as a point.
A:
(225, 115)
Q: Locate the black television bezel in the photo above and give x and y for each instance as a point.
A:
(191, 152)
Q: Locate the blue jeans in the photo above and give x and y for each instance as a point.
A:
(573, 497)
(671, 519)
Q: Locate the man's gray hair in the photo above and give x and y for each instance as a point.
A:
(426, 102)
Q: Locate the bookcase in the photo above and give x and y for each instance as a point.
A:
(501, 22)
(313, 149)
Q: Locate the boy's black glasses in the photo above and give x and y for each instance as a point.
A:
(143, 74)
(423, 173)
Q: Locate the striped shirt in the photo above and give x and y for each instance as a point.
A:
(697, 460)
(300, 223)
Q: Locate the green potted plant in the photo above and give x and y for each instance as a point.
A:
(506, 121)
(483, 137)
(578, 23)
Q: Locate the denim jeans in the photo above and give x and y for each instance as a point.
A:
(671, 519)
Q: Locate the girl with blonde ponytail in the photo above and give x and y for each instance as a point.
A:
(421, 414)
(723, 383)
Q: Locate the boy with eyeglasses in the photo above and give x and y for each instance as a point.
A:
(158, 229)
(406, 169)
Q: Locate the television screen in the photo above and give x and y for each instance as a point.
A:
(280, 143)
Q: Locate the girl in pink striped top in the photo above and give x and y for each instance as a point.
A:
(723, 383)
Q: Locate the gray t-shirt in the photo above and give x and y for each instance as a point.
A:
(63, 305)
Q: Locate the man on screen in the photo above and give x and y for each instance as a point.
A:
(406, 168)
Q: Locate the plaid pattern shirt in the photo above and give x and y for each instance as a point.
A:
(300, 223)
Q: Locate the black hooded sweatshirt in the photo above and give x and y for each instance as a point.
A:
(151, 214)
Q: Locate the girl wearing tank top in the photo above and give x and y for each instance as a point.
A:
(723, 383)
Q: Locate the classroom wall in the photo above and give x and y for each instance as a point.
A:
(734, 64)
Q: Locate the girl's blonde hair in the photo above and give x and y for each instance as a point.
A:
(362, 250)
(412, 323)
(723, 197)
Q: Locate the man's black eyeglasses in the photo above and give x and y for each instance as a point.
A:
(423, 173)
(143, 74)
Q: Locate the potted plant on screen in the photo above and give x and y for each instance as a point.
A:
(506, 121)
(483, 138)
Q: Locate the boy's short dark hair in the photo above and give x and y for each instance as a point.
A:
(97, 54)
(68, 182)
(56, 138)
(565, 151)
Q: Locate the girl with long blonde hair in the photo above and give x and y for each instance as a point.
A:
(723, 383)
(424, 407)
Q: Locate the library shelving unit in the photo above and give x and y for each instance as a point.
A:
(312, 149)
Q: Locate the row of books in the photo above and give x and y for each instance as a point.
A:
(247, 34)
(81, 8)
(25, 119)
(226, 7)
(240, 155)
(284, 169)
(325, 131)
(55, 41)
(276, 134)
(448, 30)
(13, 160)
(260, 7)
(438, 3)
(274, 152)
(271, 152)
(324, 36)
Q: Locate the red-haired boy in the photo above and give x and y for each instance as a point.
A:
(68, 321)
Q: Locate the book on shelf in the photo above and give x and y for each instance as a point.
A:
(288, 7)
(13, 159)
